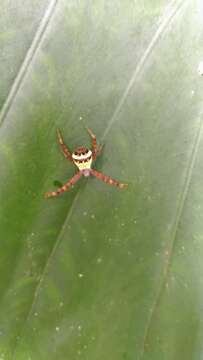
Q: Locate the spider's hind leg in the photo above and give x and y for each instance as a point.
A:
(63, 146)
(96, 149)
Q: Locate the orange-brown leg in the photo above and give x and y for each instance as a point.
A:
(107, 179)
(65, 187)
(96, 149)
(64, 148)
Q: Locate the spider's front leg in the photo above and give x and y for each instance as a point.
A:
(96, 149)
(65, 187)
(107, 179)
(64, 148)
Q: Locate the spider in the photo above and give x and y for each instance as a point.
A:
(82, 157)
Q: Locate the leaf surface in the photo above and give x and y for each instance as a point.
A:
(99, 273)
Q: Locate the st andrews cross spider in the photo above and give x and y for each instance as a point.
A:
(83, 157)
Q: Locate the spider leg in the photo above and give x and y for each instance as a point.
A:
(96, 149)
(65, 187)
(64, 148)
(107, 179)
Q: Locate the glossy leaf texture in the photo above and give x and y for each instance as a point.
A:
(101, 273)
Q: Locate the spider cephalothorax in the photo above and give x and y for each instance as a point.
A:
(82, 157)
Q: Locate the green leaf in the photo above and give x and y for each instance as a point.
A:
(101, 273)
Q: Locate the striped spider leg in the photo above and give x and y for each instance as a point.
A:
(65, 187)
(107, 179)
(64, 148)
(96, 149)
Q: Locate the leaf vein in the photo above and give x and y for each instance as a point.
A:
(170, 249)
(29, 57)
(141, 63)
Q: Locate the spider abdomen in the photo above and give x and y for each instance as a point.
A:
(82, 158)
